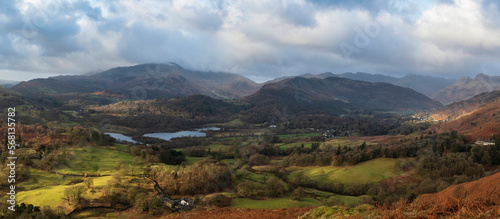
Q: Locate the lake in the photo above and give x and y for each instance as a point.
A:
(167, 135)
(120, 137)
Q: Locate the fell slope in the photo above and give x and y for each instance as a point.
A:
(427, 85)
(336, 95)
(8, 99)
(466, 199)
(481, 123)
(185, 107)
(462, 108)
(478, 117)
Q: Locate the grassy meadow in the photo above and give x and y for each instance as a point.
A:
(366, 172)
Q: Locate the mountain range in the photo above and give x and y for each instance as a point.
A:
(467, 87)
(146, 81)
(8, 83)
(326, 92)
(427, 85)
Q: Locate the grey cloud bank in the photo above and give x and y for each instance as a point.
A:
(259, 39)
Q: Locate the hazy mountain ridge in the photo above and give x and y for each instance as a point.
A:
(147, 81)
(427, 85)
(467, 87)
(8, 83)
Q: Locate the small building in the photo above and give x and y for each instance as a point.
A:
(481, 142)
(328, 134)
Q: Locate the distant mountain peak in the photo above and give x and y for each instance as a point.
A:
(149, 80)
(467, 87)
(482, 76)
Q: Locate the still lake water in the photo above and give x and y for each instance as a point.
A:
(120, 137)
(167, 135)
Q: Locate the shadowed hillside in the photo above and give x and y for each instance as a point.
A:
(336, 95)
(427, 85)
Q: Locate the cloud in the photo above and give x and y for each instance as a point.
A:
(465, 34)
(261, 39)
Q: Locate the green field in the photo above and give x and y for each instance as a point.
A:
(366, 172)
(343, 141)
(332, 197)
(216, 147)
(93, 159)
(296, 144)
(40, 178)
(231, 161)
(52, 195)
(192, 160)
(273, 203)
(298, 135)
(258, 177)
(234, 122)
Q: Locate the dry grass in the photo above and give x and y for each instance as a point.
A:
(478, 199)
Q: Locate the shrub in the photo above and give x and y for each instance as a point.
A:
(259, 159)
(150, 203)
(298, 193)
(250, 189)
(200, 178)
(219, 200)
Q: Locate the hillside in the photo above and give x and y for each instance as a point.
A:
(477, 117)
(427, 85)
(462, 108)
(336, 95)
(184, 107)
(469, 198)
(477, 199)
(8, 99)
(482, 122)
(467, 87)
(146, 81)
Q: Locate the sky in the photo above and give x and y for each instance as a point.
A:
(259, 39)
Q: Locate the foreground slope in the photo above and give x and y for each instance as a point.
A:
(336, 95)
(477, 199)
(483, 192)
